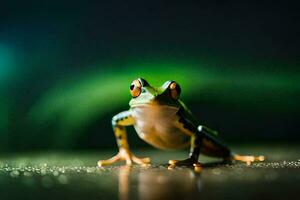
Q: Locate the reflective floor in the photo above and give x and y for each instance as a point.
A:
(74, 176)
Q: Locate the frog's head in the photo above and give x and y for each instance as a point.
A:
(144, 94)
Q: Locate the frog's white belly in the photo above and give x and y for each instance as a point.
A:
(157, 126)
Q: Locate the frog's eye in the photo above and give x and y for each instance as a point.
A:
(135, 88)
(175, 90)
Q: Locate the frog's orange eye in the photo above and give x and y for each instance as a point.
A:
(135, 88)
(175, 90)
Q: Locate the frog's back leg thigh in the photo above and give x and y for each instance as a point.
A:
(214, 147)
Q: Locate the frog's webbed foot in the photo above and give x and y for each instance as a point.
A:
(124, 155)
(248, 159)
(189, 162)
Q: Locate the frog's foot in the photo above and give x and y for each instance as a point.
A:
(190, 162)
(124, 155)
(248, 159)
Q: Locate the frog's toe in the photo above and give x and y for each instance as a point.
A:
(248, 159)
(141, 161)
(108, 161)
(187, 162)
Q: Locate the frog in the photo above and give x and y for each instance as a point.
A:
(161, 119)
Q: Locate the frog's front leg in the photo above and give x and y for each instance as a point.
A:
(119, 123)
(196, 141)
(192, 160)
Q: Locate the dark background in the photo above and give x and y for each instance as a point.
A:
(65, 68)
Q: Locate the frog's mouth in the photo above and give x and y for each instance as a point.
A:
(153, 99)
(156, 102)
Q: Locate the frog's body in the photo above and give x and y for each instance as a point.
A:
(162, 120)
(156, 125)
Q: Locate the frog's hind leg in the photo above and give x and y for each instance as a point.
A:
(213, 146)
(247, 159)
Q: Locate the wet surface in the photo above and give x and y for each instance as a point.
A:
(75, 176)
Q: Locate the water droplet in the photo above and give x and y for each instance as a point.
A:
(43, 172)
(27, 174)
(14, 173)
(55, 173)
(90, 170)
(62, 179)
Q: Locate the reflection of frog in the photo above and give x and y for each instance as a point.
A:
(170, 184)
(162, 120)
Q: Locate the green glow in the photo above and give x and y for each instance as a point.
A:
(6, 62)
(76, 102)
(96, 94)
